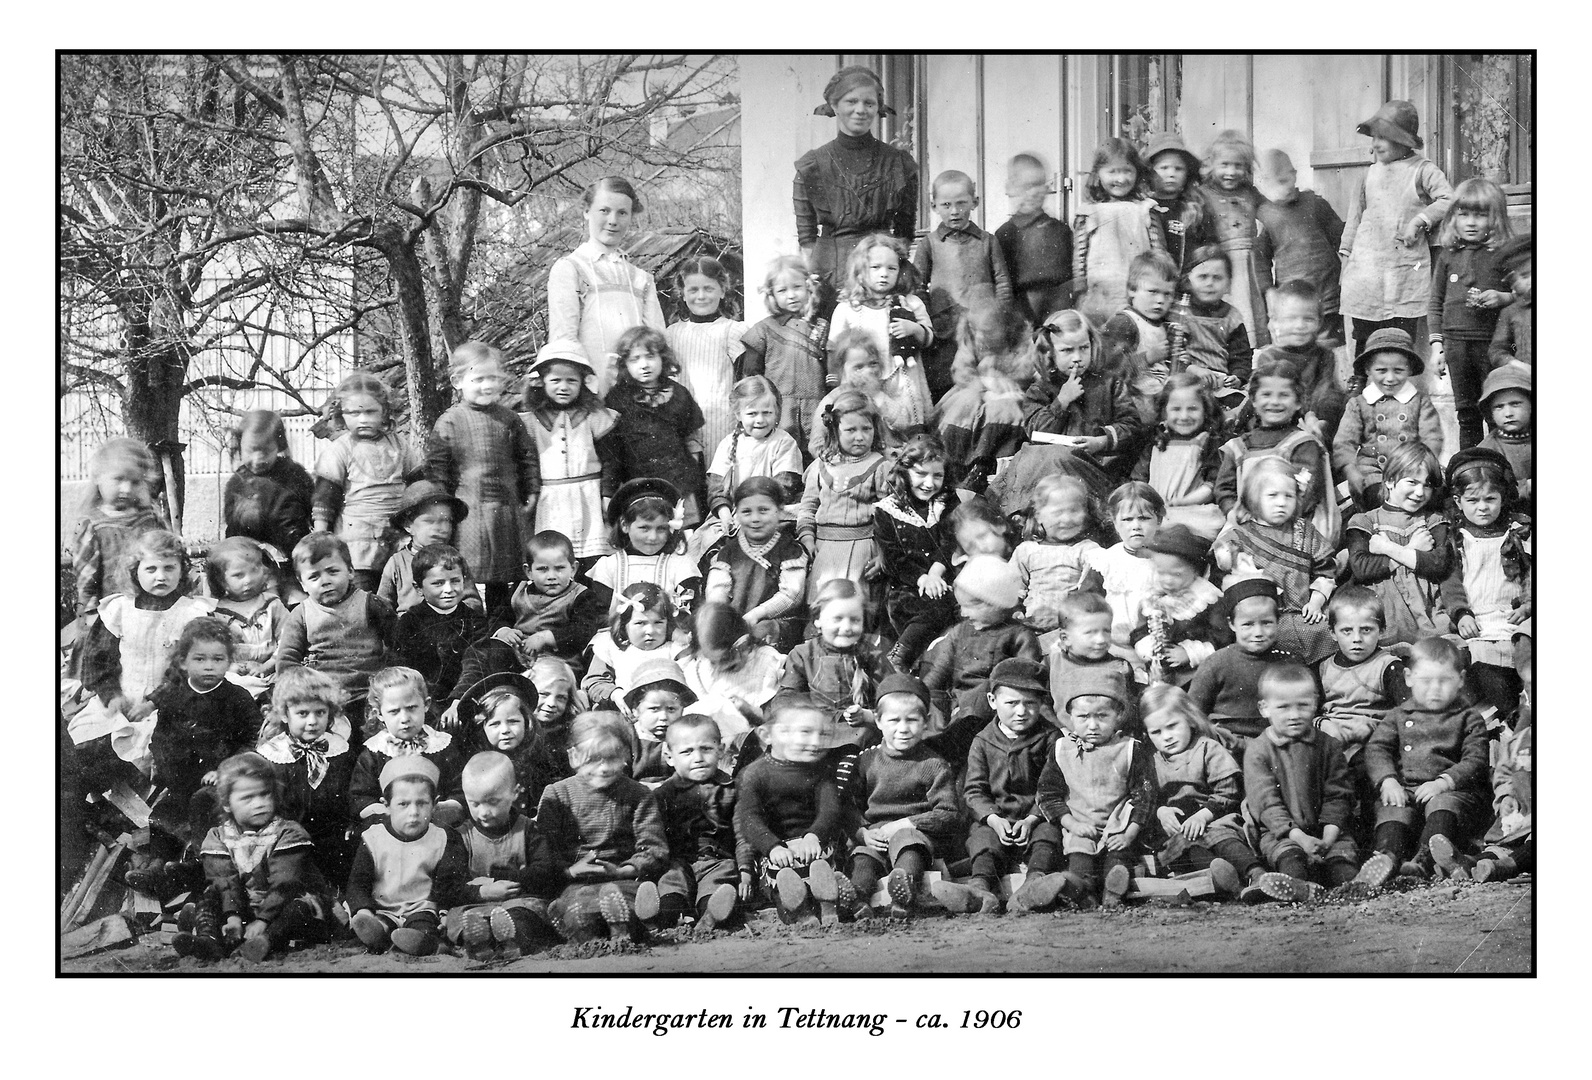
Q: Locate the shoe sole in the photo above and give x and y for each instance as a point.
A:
(413, 942)
(903, 893)
(1288, 889)
(1445, 856)
(1118, 882)
(1038, 894)
(957, 899)
(1375, 871)
(1484, 870)
(648, 902)
(255, 949)
(720, 907)
(371, 931)
(615, 910)
(1225, 877)
(790, 894)
(477, 931)
(822, 883)
(501, 923)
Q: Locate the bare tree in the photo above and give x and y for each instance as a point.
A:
(457, 133)
(163, 291)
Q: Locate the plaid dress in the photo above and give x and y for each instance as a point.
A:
(487, 458)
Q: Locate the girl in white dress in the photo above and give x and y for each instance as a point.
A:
(569, 424)
(706, 344)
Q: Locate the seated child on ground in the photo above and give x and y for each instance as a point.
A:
(789, 811)
(1098, 788)
(1427, 759)
(265, 890)
(1003, 768)
(605, 831)
(1510, 846)
(339, 628)
(512, 873)
(1226, 688)
(1198, 791)
(904, 802)
(396, 727)
(407, 868)
(710, 871)
(1298, 791)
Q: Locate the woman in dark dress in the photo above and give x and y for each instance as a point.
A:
(853, 185)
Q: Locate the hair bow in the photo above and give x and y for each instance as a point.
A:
(677, 522)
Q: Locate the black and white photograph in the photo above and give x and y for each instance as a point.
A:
(581, 513)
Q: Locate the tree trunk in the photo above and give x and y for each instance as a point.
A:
(153, 404)
(426, 400)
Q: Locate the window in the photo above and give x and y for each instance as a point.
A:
(1144, 92)
(1489, 99)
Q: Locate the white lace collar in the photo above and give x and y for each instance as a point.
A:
(1405, 395)
(277, 749)
(432, 741)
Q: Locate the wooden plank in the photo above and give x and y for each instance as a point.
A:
(94, 884)
(101, 934)
(125, 799)
(1196, 885)
(951, 121)
(74, 899)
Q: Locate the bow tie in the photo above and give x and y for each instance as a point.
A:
(1078, 744)
(314, 754)
(404, 747)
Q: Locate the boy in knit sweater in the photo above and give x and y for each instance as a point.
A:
(339, 628)
(1227, 686)
(1297, 787)
(959, 263)
(789, 811)
(606, 834)
(904, 798)
(1003, 769)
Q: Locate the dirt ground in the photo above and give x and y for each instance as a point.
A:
(1426, 929)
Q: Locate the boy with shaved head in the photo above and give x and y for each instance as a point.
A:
(512, 870)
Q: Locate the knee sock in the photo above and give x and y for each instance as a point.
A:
(1440, 823)
(1393, 837)
(864, 877)
(1341, 871)
(987, 865)
(1085, 867)
(1236, 852)
(1294, 865)
(1043, 857)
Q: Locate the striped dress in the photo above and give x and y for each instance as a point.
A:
(837, 511)
(707, 352)
(593, 296)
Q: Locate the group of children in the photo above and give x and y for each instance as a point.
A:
(845, 610)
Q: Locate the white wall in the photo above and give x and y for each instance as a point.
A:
(778, 93)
